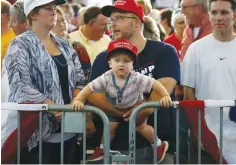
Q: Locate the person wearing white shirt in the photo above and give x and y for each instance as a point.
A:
(209, 72)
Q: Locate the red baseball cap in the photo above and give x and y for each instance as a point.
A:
(127, 5)
(123, 44)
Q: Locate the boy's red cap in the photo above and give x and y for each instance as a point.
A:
(127, 5)
(123, 44)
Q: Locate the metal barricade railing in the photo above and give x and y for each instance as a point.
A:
(63, 109)
(194, 104)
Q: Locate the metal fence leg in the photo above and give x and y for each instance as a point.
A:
(199, 136)
(132, 144)
(177, 135)
(84, 138)
(40, 136)
(18, 137)
(62, 136)
(221, 135)
(155, 137)
(189, 146)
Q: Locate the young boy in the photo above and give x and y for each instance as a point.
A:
(124, 88)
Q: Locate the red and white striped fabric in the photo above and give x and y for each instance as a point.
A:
(210, 122)
(29, 123)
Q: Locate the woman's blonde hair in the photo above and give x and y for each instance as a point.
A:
(150, 30)
(60, 11)
(146, 4)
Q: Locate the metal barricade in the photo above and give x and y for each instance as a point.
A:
(193, 104)
(63, 109)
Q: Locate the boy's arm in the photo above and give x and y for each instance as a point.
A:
(159, 88)
(84, 94)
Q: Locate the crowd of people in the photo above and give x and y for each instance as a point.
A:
(116, 57)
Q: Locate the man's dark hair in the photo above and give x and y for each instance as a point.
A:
(232, 2)
(167, 14)
(91, 13)
(121, 51)
(76, 7)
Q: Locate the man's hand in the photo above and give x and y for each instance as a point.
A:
(57, 115)
(142, 116)
(127, 114)
(179, 92)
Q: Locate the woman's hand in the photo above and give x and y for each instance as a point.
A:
(78, 105)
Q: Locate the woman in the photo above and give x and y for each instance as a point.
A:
(152, 29)
(165, 21)
(177, 21)
(44, 69)
(61, 29)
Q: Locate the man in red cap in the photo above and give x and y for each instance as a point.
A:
(155, 59)
(124, 88)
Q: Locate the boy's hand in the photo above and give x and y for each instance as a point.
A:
(78, 105)
(165, 102)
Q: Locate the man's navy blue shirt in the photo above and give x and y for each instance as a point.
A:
(158, 60)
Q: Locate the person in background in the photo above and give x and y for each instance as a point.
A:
(150, 29)
(74, 19)
(208, 73)
(91, 34)
(80, 18)
(68, 10)
(197, 21)
(61, 28)
(7, 34)
(198, 26)
(175, 39)
(44, 69)
(18, 20)
(146, 5)
(165, 21)
(155, 14)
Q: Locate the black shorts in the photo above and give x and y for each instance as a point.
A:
(115, 118)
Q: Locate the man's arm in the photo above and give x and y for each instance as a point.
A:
(169, 83)
(189, 93)
(100, 101)
(75, 93)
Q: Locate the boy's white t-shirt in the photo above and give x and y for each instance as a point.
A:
(210, 67)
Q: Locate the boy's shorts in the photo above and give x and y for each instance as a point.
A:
(115, 118)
